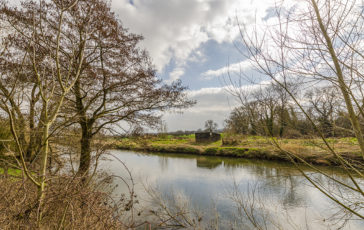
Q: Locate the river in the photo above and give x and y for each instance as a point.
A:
(274, 193)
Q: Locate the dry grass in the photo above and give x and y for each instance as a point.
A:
(68, 205)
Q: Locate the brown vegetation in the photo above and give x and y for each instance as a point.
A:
(68, 204)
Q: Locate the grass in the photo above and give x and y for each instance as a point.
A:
(253, 147)
(12, 172)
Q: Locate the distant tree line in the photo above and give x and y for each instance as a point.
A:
(269, 111)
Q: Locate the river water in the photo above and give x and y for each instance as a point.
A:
(274, 193)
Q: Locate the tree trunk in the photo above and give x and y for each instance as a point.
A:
(43, 169)
(85, 156)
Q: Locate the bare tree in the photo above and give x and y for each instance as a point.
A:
(316, 42)
(264, 109)
(117, 81)
(238, 121)
(266, 99)
(210, 126)
(326, 105)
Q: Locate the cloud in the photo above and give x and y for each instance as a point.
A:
(233, 68)
(175, 74)
(175, 29)
(174, 32)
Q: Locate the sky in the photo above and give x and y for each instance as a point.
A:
(194, 41)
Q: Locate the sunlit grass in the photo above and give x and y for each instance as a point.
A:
(12, 172)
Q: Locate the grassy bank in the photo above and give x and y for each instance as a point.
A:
(250, 147)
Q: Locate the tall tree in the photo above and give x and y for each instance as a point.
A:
(117, 80)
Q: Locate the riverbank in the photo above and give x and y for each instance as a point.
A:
(250, 147)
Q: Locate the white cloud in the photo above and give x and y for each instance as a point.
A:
(175, 74)
(233, 68)
(175, 29)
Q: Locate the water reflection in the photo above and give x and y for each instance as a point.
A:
(206, 162)
(163, 163)
(208, 180)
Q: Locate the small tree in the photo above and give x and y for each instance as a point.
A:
(210, 126)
